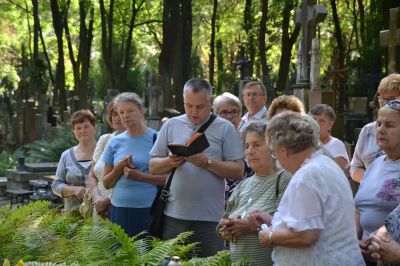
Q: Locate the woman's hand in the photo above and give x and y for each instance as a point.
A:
(125, 162)
(239, 227)
(363, 244)
(79, 192)
(257, 218)
(132, 173)
(263, 237)
(385, 249)
(101, 205)
(225, 234)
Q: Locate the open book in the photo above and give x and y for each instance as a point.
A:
(196, 144)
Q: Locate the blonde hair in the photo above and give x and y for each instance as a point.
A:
(390, 83)
(289, 102)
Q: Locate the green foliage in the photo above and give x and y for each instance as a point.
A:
(6, 162)
(42, 236)
(50, 151)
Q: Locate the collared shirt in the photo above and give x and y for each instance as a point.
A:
(196, 193)
(246, 119)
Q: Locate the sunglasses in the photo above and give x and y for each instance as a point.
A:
(394, 104)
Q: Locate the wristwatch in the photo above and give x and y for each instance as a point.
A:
(209, 161)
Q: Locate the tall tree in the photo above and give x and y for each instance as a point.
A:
(107, 41)
(261, 38)
(340, 81)
(175, 56)
(212, 42)
(248, 24)
(59, 86)
(288, 40)
(80, 65)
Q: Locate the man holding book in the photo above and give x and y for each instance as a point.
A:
(196, 196)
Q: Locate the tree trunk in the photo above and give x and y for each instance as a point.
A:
(175, 56)
(35, 7)
(126, 53)
(288, 41)
(60, 74)
(85, 44)
(220, 67)
(341, 59)
(212, 43)
(106, 41)
(248, 22)
(261, 39)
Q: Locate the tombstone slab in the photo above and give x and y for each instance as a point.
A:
(391, 39)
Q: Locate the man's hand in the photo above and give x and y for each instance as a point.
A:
(200, 160)
(176, 161)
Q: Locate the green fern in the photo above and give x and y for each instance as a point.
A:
(45, 236)
(50, 151)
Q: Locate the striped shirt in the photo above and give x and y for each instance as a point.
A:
(256, 192)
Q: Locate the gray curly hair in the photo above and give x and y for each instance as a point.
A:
(292, 131)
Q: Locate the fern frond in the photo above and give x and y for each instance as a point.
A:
(164, 248)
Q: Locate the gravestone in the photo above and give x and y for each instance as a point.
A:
(308, 16)
(155, 103)
(19, 178)
(391, 39)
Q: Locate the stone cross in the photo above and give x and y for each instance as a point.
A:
(315, 81)
(391, 39)
(308, 16)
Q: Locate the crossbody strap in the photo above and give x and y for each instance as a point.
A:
(278, 180)
(202, 129)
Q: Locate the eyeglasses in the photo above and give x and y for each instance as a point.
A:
(254, 94)
(395, 104)
(227, 113)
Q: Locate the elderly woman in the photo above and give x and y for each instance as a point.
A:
(228, 106)
(262, 191)
(325, 116)
(313, 224)
(74, 165)
(285, 103)
(367, 150)
(379, 191)
(126, 169)
(101, 197)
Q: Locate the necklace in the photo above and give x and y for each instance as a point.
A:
(250, 200)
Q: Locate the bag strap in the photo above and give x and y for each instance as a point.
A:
(278, 180)
(206, 124)
(201, 130)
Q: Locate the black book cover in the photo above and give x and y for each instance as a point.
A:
(196, 144)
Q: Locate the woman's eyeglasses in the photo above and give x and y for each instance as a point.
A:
(227, 113)
(394, 104)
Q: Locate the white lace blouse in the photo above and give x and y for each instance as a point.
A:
(319, 197)
(98, 168)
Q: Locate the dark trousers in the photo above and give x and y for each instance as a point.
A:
(203, 232)
(132, 220)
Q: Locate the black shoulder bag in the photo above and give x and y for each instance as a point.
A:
(160, 201)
